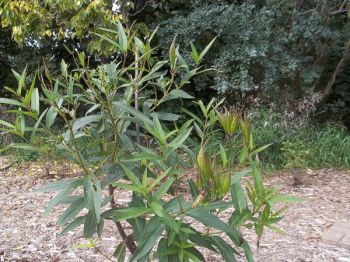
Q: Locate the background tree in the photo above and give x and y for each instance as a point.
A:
(283, 53)
(33, 30)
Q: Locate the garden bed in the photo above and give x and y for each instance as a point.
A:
(27, 235)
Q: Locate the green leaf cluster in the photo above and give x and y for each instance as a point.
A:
(115, 127)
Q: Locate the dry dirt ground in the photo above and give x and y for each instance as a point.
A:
(27, 235)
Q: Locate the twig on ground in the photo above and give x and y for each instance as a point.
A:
(7, 167)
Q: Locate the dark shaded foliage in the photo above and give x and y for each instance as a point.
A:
(279, 51)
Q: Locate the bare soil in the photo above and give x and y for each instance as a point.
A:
(26, 234)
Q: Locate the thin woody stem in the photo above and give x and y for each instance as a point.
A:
(129, 242)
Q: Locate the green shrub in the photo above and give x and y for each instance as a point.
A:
(116, 129)
(275, 48)
(299, 144)
(295, 155)
(329, 146)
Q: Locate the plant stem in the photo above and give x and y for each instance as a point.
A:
(76, 151)
(129, 242)
(137, 94)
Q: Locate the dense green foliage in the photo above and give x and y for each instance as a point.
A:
(296, 143)
(293, 143)
(101, 111)
(281, 52)
(35, 32)
(113, 103)
(278, 48)
(57, 19)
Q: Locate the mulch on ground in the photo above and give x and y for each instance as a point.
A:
(26, 234)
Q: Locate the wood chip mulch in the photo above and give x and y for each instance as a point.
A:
(26, 234)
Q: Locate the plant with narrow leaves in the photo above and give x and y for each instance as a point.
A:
(114, 126)
(229, 120)
(217, 177)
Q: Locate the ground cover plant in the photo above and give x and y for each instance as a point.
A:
(115, 126)
(297, 142)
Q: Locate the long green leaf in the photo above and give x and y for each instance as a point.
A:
(167, 116)
(211, 220)
(285, 199)
(143, 119)
(153, 231)
(52, 114)
(199, 121)
(238, 198)
(122, 39)
(194, 54)
(36, 126)
(120, 252)
(4, 123)
(108, 40)
(70, 213)
(144, 156)
(90, 224)
(237, 177)
(133, 178)
(180, 94)
(194, 255)
(247, 251)
(202, 240)
(133, 188)
(77, 222)
(35, 100)
(88, 192)
(130, 212)
(62, 195)
(163, 189)
(226, 250)
(84, 121)
(206, 49)
(171, 222)
(223, 155)
(11, 102)
(258, 182)
(159, 129)
(181, 138)
(161, 250)
(54, 186)
(139, 226)
(193, 188)
(258, 150)
(157, 208)
(172, 53)
(28, 95)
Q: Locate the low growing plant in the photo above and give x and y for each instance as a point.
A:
(113, 125)
(329, 146)
(295, 154)
(296, 143)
